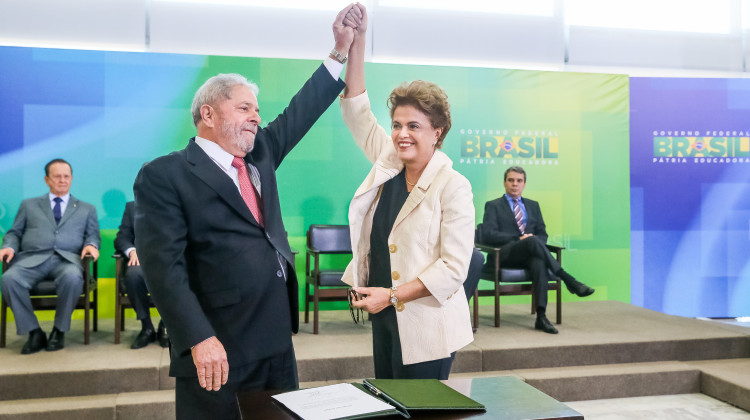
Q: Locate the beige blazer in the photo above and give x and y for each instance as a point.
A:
(432, 239)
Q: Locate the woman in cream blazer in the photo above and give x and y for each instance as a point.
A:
(414, 213)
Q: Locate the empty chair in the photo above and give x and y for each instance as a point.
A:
(324, 283)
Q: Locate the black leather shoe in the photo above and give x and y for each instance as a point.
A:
(56, 340)
(580, 289)
(161, 335)
(144, 337)
(543, 324)
(37, 341)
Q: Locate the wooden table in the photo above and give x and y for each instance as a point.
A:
(506, 398)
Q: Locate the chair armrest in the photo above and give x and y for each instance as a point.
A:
(557, 250)
(312, 251)
(488, 248)
(91, 272)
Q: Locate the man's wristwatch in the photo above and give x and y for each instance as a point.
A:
(337, 55)
(394, 300)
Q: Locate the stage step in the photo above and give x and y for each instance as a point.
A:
(603, 350)
(592, 333)
(155, 405)
(725, 380)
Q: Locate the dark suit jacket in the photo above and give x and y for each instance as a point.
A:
(125, 238)
(211, 269)
(35, 236)
(499, 227)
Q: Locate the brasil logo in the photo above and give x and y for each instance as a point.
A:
(723, 147)
(513, 147)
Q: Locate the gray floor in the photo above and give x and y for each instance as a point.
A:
(668, 407)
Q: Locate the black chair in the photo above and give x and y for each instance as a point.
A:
(324, 284)
(44, 298)
(122, 301)
(512, 281)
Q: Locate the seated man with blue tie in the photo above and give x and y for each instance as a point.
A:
(135, 283)
(50, 236)
(516, 225)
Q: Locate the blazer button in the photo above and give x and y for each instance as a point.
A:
(279, 273)
(393, 248)
(395, 275)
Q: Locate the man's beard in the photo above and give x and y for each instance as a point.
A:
(234, 133)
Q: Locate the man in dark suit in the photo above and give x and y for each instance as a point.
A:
(213, 246)
(135, 283)
(49, 237)
(516, 225)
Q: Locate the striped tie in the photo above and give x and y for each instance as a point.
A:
(519, 216)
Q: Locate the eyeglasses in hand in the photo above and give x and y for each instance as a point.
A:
(357, 313)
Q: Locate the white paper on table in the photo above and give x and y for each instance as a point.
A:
(331, 402)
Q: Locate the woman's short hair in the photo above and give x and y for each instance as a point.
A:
(428, 98)
(216, 89)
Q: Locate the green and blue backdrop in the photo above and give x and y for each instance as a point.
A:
(109, 112)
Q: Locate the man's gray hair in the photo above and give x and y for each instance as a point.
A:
(216, 89)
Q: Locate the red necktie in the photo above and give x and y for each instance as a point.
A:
(247, 190)
(519, 215)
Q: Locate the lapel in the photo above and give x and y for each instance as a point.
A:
(69, 210)
(529, 214)
(439, 161)
(46, 208)
(386, 167)
(207, 171)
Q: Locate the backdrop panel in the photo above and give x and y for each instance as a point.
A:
(690, 207)
(109, 112)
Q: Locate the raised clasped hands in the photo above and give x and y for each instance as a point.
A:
(346, 27)
(356, 18)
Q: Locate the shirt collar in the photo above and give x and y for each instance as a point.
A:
(65, 198)
(510, 199)
(215, 152)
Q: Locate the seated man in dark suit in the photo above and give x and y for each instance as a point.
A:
(49, 237)
(135, 283)
(516, 225)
